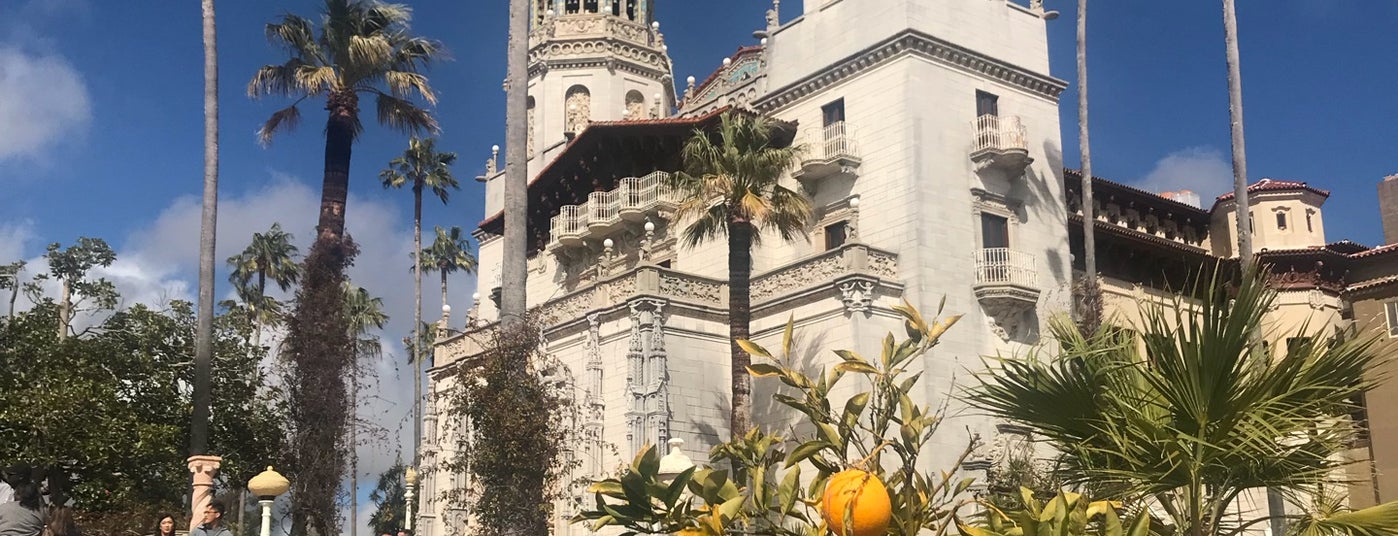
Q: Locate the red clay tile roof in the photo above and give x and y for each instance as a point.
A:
(1184, 208)
(1273, 185)
(1376, 251)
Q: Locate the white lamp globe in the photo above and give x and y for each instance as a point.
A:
(608, 243)
(446, 309)
(650, 226)
(854, 202)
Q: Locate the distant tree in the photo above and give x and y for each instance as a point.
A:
(390, 501)
(450, 253)
(420, 168)
(270, 255)
(70, 268)
(732, 187)
(365, 314)
(111, 407)
(10, 278)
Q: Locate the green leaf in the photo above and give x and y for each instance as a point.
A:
(854, 366)
(963, 485)
(634, 486)
(1141, 525)
(850, 355)
(786, 334)
(609, 487)
(602, 522)
(677, 487)
(650, 463)
(762, 370)
(753, 348)
(806, 450)
(828, 433)
(854, 407)
(968, 530)
(787, 491)
(730, 508)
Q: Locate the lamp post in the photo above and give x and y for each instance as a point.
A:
(409, 478)
(267, 485)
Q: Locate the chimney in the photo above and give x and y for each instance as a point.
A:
(1388, 208)
(1183, 196)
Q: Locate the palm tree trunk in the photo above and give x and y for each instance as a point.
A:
(339, 146)
(1235, 113)
(444, 286)
(739, 317)
(203, 349)
(513, 268)
(417, 324)
(1092, 295)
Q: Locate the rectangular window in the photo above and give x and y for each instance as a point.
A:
(1252, 228)
(1392, 310)
(1281, 220)
(987, 104)
(995, 231)
(1309, 228)
(836, 234)
(833, 113)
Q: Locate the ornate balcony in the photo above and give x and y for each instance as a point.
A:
(1007, 286)
(830, 153)
(1001, 143)
(605, 212)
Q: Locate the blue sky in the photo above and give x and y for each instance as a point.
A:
(101, 121)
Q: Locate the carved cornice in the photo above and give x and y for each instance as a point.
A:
(913, 42)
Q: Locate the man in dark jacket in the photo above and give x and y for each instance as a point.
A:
(213, 522)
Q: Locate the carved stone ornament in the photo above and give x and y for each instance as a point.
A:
(1006, 308)
(1316, 299)
(857, 294)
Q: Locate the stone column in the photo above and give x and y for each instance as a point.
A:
(204, 469)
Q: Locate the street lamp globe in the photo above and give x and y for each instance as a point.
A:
(410, 476)
(268, 484)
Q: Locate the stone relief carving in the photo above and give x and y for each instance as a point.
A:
(1316, 299)
(799, 276)
(1005, 314)
(635, 105)
(857, 294)
(691, 289)
(883, 265)
(647, 377)
(579, 109)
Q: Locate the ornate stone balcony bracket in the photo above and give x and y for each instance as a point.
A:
(1007, 288)
(857, 293)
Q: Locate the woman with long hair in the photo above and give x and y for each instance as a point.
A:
(164, 525)
(26, 516)
(61, 523)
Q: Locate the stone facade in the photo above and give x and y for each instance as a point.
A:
(932, 158)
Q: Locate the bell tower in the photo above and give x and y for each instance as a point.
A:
(593, 60)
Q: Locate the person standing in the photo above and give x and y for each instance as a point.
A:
(25, 516)
(213, 522)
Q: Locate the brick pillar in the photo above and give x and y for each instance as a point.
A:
(1388, 208)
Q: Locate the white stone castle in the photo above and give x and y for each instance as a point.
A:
(935, 169)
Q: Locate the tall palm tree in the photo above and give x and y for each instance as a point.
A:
(364, 47)
(513, 264)
(449, 253)
(1092, 294)
(270, 255)
(420, 167)
(1235, 116)
(364, 314)
(732, 188)
(1202, 417)
(204, 335)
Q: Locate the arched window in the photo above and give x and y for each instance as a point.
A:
(590, 6)
(635, 105)
(578, 104)
(571, 6)
(541, 10)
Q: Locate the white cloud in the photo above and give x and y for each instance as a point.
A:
(43, 100)
(14, 237)
(1204, 170)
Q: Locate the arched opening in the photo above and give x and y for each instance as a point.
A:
(572, 6)
(578, 106)
(541, 9)
(635, 105)
(631, 9)
(590, 6)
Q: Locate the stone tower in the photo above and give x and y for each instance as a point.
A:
(590, 60)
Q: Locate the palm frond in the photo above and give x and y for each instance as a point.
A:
(403, 83)
(404, 116)
(297, 35)
(283, 119)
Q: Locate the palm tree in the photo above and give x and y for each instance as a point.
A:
(1235, 115)
(450, 253)
(204, 342)
(422, 167)
(270, 255)
(1203, 417)
(364, 313)
(513, 299)
(732, 187)
(364, 47)
(1092, 295)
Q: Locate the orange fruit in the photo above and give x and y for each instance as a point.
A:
(864, 496)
